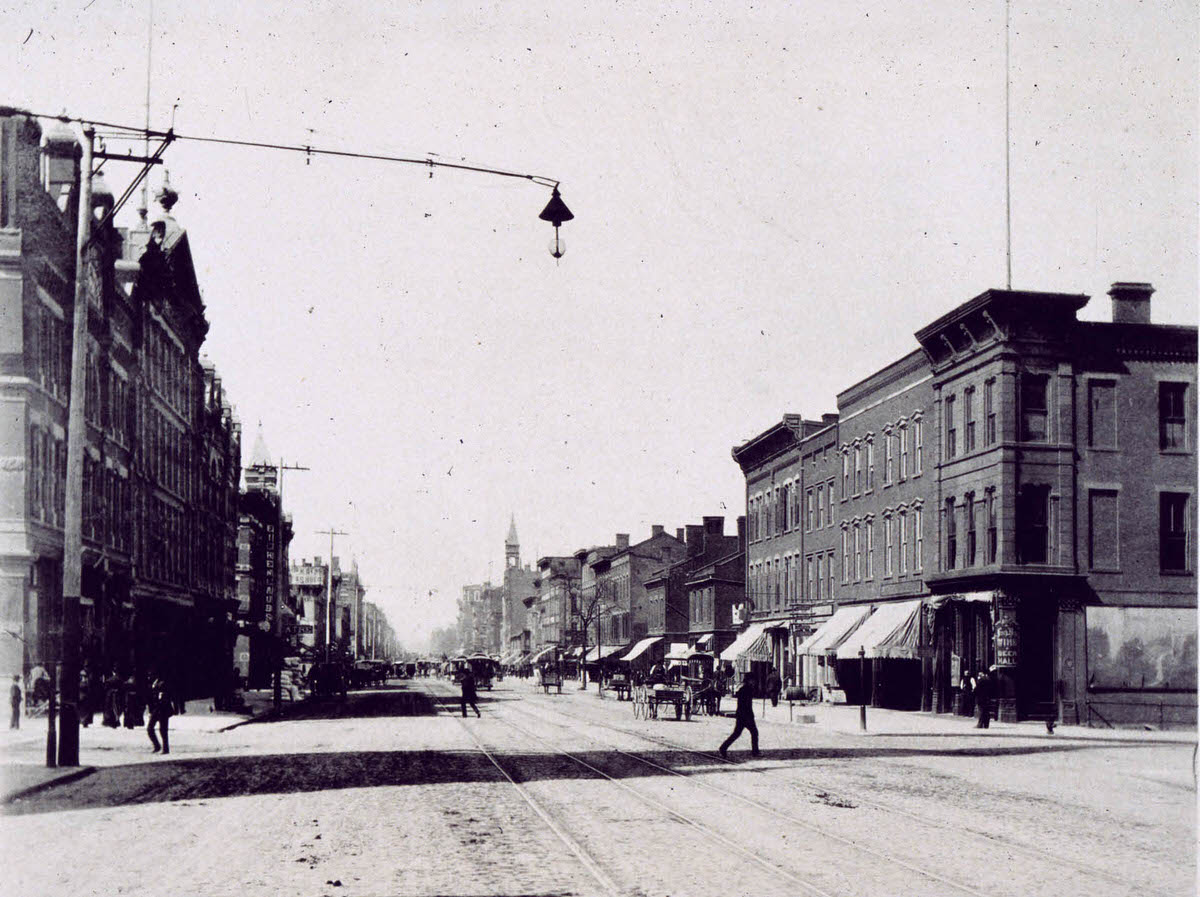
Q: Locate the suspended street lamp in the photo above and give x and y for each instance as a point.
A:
(556, 212)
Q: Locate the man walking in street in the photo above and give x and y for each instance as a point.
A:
(744, 718)
(160, 715)
(468, 691)
(15, 697)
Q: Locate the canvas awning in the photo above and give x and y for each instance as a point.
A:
(890, 633)
(602, 652)
(541, 655)
(679, 651)
(835, 630)
(641, 647)
(704, 640)
(743, 642)
(936, 601)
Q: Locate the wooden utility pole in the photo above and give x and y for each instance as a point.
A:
(68, 728)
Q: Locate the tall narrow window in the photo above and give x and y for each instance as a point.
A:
(951, 429)
(845, 474)
(857, 469)
(969, 419)
(989, 411)
(918, 444)
(845, 554)
(821, 505)
(918, 539)
(903, 437)
(969, 560)
(829, 491)
(887, 458)
(992, 533)
(902, 526)
(870, 549)
(829, 575)
(1035, 408)
(870, 465)
(811, 503)
(1102, 414)
(857, 553)
(1103, 533)
(951, 528)
(1033, 524)
(812, 582)
(1172, 415)
(887, 546)
(1173, 531)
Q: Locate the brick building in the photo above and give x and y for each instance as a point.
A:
(1020, 493)
(162, 458)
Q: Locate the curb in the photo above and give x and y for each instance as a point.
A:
(82, 772)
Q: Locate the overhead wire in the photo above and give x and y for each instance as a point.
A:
(306, 149)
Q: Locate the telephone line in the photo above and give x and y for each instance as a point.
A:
(308, 150)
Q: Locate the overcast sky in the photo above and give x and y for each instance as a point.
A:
(769, 201)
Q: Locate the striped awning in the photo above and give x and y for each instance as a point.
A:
(835, 630)
(641, 647)
(746, 641)
(890, 633)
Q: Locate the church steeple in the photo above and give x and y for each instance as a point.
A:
(512, 548)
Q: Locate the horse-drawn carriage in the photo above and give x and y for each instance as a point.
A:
(647, 699)
(550, 676)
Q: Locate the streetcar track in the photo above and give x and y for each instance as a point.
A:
(586, 859)
(766, 808)
(842, 794)
(683, 818)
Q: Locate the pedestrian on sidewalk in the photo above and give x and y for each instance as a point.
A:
(774, 684)
(160, 714)
(468, 691)
(984, 689)
(744, 718)
(133, 704)
(86, 712)
(112, 700)
(15, 698)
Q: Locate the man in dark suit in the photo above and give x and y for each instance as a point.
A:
(744, 718)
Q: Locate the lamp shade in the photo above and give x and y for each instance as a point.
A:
(556, 211)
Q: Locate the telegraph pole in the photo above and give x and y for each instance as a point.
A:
(331, 532)
(280, 573)
(68, 729)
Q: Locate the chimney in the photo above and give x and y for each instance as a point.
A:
(695, 540)
(656, 530)
(622, 541)
(679, 533)
(1131, 303)
(60, 165)
(714, 526)
(829, 419)
(317, 561)
(742, 533)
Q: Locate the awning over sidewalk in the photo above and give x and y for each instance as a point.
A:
(641, 647)
(743, 643)
(936, 601)
(541, 655)
(890, 633)
(602, 652)
(679, 651)
(704, 641)
(835, 630)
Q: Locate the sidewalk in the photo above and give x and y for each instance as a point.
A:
(23, 767)
(843, 719)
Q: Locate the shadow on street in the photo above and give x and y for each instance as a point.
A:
(212, 778)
